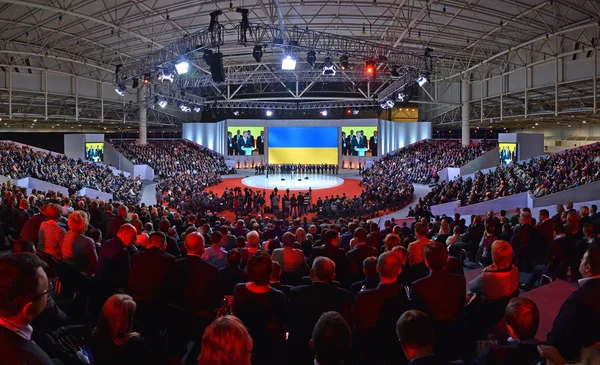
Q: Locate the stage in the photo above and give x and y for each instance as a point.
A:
(299, 182)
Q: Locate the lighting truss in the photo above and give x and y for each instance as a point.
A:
(285, 105)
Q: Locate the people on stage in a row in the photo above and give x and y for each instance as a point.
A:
(301, 169)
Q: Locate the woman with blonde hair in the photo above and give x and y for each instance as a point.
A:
(501, 278)
(226, 342)
(113, 339)
(76, 246)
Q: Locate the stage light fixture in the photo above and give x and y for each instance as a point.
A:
(257, 53)
(197, 109)
(422, 80)
(344, 62)
(311, 58)
(162, 103)
(165, 75)
(236, 113)
(355, 111)
(402, 97)
(288, 63)
(120, 89)
(136, 83)
(147, 78)
(387, 104)
(269, 113)
(323, 113)
(182, 67)
(328, 67)
(370, 68)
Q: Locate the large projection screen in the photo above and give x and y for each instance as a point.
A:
(303, 145)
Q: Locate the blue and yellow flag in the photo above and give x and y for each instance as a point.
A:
(304, 145)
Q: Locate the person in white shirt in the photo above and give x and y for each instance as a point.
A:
(454, 238)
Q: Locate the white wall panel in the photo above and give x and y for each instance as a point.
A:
(87, 88)
(25, 81)
(394, 135)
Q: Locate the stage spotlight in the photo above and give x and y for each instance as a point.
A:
(120, 89)
(355, 111)
(387, 104)
(323, 113)
(422, 79)
(162, 103)
(402, 97)
(197, 109)
(165, 75)
(147, 78)
(349, 111)
(288, 62)
(344, 62)
(370, 68)
(184, 108)
(182, 67)
(311, 58)
(257, 53)
(269, 113)
(136, 83)
(328, 67)
(236, 113)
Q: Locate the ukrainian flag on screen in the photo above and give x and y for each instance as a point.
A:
(304, 145)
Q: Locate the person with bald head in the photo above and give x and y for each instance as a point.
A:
(114, 224)
(306, 304)
(377, 310)
(114, 260)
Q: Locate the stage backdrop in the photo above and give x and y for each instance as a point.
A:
(303, 145)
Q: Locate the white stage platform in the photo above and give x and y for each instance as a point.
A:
(315, 182)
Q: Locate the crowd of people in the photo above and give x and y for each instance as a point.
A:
(93, 282)
(541, 176)
(20, 161)
(301, 169)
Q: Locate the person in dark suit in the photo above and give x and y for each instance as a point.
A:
(149, 269)
(374, 238)
(441, 295)
(357, 142)
(331, 339)
(358, 254)
(274, 279)
(19, 217)
(331, 250)
(306, 303)
(576, 325)
(230, 144)
(545, 226)
(377, 310)
(114, 259)
(345, 144)
(522, 319)
(371, 280)
(232, 275)
(526, 243)
(24, 292)
(260, 143)
(584, 213)
(373, 142)
(115, 223)
(415, 332)
(244, 141)
(31, 228)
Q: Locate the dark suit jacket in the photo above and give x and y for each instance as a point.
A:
(546, 230)
(230, 277)
(515, 353)
(526, 240)
(114, 263)
(113, 226)
(32, 227)
(454, 266)
(441, 295)
(375, 239)
(17, 350)
(18, 218)
(148, 273)
(336, 254)
(285, 289)
(373, 145)
(194, 285)
(356, 256)
(306, 303)
(576, 325)
(370, 282)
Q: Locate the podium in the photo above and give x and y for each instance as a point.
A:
(361, 151)
(248, 150)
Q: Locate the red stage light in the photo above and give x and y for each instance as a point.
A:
(349, 111)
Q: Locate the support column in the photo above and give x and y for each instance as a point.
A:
(466, 111)
(143, 138)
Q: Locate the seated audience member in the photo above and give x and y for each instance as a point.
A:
(441, 295)
(113, 225)
(390, 241)
(232, 275)
(113, 341)
(51, 235)
(77, 247)
(215, 254)
(262, 310)
(226, 342)
(308, 302)
(291, 259)
(228, 240)
(331, 249)
(589, 356)
(416, 251)
(19, 217)
(501, 278)
(149, 269)
(253, 245)
(24, 289)
(30, 231)
(444, 231)
(114, 260)
(506, 233)
(23, 246)
(371, 277)
(415, 332)
(526, 242)
(141, 240)
(377, 310)
(576, 325)
(331, 339)
(274, 279)
(485, 246)
(357, 255)
(455, 236)
(522, 318)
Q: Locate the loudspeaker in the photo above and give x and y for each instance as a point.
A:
(306, 178)
(216, 67)
(282, 179)
(299, 179)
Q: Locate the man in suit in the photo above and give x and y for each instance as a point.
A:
(441, 295)
(527, 243)
(345, 144)
(308, 302)
(357, 142)
(374, 238)
(230, 144)
(377, 310)
(373, 142)
(149, 269)
(331, 250)
(260, 143)
(491, 219)
(232, 275)
(576, 325)
(115, 223)
(584, 213)
(350, 138)
(114, 259)
(31, 228)
(358, 254)
(522, 319)
(331, 339)
(371, 277)
(415, 332)
(244, 141)
(545, 226)
(347, 237)
(236, 142)
(274, 281)
(19, 217)
(24, 292)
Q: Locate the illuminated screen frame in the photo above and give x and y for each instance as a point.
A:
(92, 145)
(514, 152)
